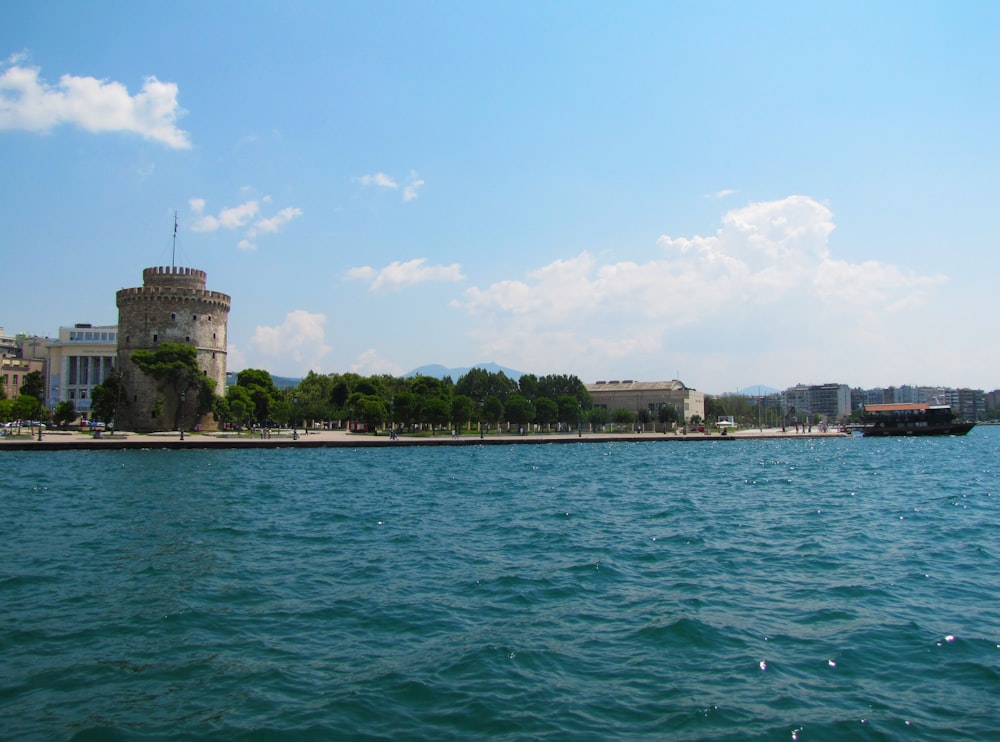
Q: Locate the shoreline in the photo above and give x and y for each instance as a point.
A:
(57, 440)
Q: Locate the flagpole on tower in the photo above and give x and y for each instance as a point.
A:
(173, 250)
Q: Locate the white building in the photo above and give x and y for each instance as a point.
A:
(82, 358)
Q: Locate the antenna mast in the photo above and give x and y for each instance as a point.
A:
(173, 250)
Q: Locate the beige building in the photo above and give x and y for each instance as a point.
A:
(13, 371)
(636, 396)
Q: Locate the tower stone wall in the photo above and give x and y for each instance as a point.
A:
(172, 306)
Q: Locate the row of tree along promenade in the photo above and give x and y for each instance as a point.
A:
(351, 410)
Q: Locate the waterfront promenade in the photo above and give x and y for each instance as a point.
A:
(74, 440)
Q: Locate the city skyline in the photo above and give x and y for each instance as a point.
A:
(728, 195)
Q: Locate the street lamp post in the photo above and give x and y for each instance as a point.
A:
(41, 399)
(180, 414)
(295, 409)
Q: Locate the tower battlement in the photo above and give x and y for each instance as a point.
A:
(165, 275)
(147, 293)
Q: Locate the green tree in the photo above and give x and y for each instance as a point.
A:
(478, 384)
(519, 411)
(33, 384)
(313, 394)
(528, 386)
(462, 408)
(667, 414)
(369, 409)
(26, 407)
(645, 418)
(64, 413)
(434, 399)
(436, 411)
(370, 386)
(106, 397)
(241, 405)
(238, 411)
(597, 417)
(555, 386)
(340, 392)
(174, 366)
(569, 409)
(260, 386)
(622, 416)
(281, 411)
(546, 411)
(406, 409)
(492, 411)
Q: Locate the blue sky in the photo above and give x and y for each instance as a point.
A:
(728, 193)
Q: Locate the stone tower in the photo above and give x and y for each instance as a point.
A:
(171, 306)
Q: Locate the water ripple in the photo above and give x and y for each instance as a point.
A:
(788, 590)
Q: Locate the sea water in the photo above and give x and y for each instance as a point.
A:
(788, 590)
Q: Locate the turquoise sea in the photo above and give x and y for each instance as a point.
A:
(834, 589)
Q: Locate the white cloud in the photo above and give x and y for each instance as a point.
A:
(31, 104)
(370, 363)
(378, 179)
(300, 340)
(411, 186)
(763, 283)
(398, 275)
(274, 223)
(239, 217)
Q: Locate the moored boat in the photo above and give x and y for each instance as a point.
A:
(913, 419)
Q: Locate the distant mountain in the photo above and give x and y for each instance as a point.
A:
(282, 382)
(434, 370)
(438, 371)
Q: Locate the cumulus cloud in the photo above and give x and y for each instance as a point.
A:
(29, 103)
(399, 275)
(301, 338)
(239, 217)
(370, 363)
(765, 280)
